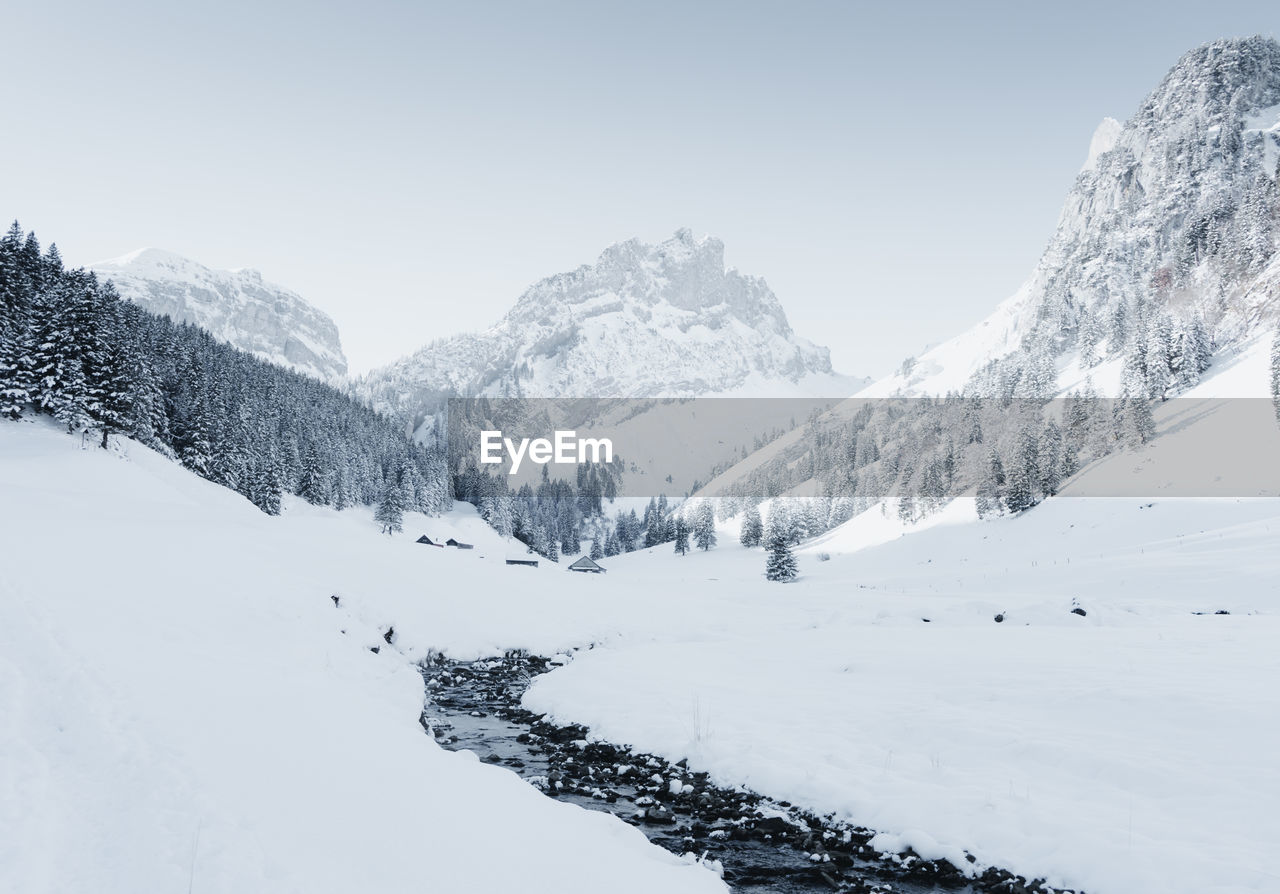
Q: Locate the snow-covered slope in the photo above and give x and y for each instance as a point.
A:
(184, 708)
(1176, 212)
(643, 321)
(236, 306)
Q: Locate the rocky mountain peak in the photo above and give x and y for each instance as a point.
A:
(643, 320)
(238, 307)
(685, 272)
(1172, 224)
(1216, 82)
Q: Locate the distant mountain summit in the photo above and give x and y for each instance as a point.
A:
(237, 306)
(666, 320)
(1171, 226)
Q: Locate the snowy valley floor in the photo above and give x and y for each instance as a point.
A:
(181, 702)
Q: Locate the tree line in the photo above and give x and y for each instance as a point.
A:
(72, 349)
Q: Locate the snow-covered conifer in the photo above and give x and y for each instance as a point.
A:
(682, 535)
(752, 527)
(780, 564)
(390, 512)
(704, 526)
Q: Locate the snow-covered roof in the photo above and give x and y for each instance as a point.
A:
(586, 562)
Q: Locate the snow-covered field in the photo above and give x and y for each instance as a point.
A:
(1131, 749)
(182, 706)
(178, 690)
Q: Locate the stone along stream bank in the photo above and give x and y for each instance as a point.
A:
(757, 844)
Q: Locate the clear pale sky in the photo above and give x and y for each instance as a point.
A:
(411, 167)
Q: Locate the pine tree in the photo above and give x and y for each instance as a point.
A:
(752, 526)
(1191, 357)
(340, 500)
(146, 418)
(1090, 336)
(597, 551)
(778, 522)
(14, 283)
(1049, 458)
(503, 519)
(652, 524)
(1275, 373)
(1139, 425)
(1118, 335)
(780, 565)
(842, 509)
(541, 542)
(663, 519)
(58, 377)
(682, 536)
(1159, 357)
(313, 486)
(1022, 486)
(1133, 377)
(266, 485)
(390, 512)
(110, 375)
(14, 359)
(704, 526)
(987, 499)
(70, 403)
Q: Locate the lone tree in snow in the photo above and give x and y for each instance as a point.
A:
(682, 536)
(390, 513)
(780, 564)
(752, 527)
(704, 526)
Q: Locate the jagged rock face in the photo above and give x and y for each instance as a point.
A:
(236, 306)
(664, 320)
(1176, 212)
(1182, 208)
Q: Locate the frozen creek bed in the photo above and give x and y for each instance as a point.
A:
(756, 843)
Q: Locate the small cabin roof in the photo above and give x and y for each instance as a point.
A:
(586, 563)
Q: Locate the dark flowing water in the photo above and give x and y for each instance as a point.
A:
(760, 845)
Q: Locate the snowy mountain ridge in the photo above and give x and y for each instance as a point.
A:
(1162, 279)
(1172, 222)
(666, 320)
(238, 307)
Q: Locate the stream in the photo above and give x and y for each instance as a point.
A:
(757, 844)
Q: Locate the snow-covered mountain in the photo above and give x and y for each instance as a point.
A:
(1162, 279)
(1171, 223)
(644, 320)
(236, 306)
